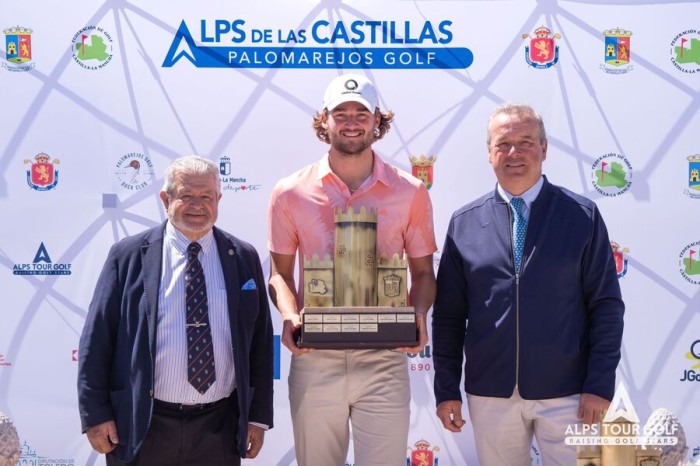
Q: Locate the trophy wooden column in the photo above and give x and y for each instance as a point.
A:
(355, 258)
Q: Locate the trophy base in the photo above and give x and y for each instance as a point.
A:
(358, 327)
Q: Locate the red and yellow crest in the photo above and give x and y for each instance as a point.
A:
(423, 455)
(543, 52)
(18, 44)
(422, 168)
(42, 175)
(620, 256)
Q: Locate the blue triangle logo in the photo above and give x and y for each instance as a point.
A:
(179, 49)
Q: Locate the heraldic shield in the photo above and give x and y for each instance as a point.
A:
(42, 174)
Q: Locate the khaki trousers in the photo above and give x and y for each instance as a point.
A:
(504, 427)
(333, 390)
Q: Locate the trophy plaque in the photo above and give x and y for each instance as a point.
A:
(354, 300)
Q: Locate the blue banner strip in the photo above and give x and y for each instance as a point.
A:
(318, 57)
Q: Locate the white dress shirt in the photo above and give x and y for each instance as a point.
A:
(528, 196)
(171, 343)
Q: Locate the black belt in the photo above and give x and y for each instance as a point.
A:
(188, 408)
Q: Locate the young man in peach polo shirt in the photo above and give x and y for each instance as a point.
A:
(369, 388)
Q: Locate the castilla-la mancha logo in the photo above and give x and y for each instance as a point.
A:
(42, 175)
(689, 263)
(685, 51)
(423, 454)
(611, 175)
(235, 183)
(543, 51)
(92, 48)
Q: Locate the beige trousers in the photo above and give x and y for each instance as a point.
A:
(333, 390)
(504, 427)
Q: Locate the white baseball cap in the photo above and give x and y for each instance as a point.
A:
(351, 88)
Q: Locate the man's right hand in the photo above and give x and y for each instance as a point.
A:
(289, 329)
(103, 437)
(450, 413)
(282, 294)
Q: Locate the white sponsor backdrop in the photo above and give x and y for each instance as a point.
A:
(92, 123)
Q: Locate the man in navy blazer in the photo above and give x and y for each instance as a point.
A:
(136, 402)
(528, 310)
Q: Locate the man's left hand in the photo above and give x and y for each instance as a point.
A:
(591, 408)
(256, 436)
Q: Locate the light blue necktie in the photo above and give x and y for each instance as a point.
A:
(519, 225)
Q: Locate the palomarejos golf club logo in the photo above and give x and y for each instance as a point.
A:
(620, 427)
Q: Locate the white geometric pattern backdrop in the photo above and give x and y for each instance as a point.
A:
(111, 91)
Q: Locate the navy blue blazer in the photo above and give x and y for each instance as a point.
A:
(553, 328)
(117, 346)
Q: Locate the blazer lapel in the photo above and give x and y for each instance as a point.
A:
(152, 261)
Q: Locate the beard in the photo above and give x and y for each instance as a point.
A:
(353, 147)
(197, 226)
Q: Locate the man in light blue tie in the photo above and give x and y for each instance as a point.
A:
(529, 268)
